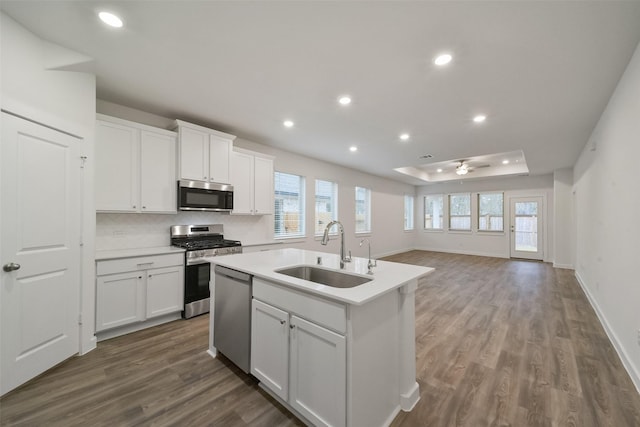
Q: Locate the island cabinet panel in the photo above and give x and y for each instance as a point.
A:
(318, 373)
(270, 347)
(330, 314)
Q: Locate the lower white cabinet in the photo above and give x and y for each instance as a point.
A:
(317, 373)
(301, 362)
(270, 347)
(135, 289)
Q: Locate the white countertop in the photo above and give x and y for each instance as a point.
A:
(387, 275)
(135, 252)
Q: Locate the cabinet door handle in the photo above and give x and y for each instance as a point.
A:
(134, 206)
(292, 326)
(282, 322)
(204, 178)
(139, 277)
(144, 207)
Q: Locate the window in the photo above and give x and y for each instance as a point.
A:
(460, 212)
(408, 212)
(433, 212)
(289, 205)
(490, 212)
(326, 204)
(363, 210)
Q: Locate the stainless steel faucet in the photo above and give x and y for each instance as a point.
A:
(325, 240)
(370, 263)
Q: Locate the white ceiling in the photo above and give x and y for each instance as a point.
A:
(542, 72)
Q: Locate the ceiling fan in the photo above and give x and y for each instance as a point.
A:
(463, 167)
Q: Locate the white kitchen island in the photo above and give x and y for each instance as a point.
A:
(333, 356)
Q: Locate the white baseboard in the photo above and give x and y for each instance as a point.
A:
(462, 252)
(137, 326)
(565, 266)
(632, 370)
(390, 253)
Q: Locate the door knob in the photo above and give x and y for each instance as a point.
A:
(11, 267)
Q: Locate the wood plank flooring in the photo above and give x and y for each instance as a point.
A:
(499, 343)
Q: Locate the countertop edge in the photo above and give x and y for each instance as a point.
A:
(104, 255)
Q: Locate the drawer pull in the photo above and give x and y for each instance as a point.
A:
(144, 263)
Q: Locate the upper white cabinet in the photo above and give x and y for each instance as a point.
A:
(252, 180)
(205, 154)
(135, 167)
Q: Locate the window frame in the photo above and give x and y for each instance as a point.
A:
(334, 203)
(301, 207)
(412, 217)
(368, 193)
(424, 207)
(450, 216)
(479, 194)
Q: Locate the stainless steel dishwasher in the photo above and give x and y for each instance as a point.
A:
(232, 315)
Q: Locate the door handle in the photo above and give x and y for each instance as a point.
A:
(11, 267)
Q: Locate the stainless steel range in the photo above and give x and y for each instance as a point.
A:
(201, 242)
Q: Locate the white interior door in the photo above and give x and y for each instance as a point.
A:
(40, 251)
(526, 228)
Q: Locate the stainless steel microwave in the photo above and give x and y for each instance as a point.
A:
(204, 196)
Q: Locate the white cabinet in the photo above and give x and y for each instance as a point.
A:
(317, 373)
(130, 290)
(205, 154)
(135, 167)
(120, 299)
(301, 361)
(270, 347)
(252, 180)
(165, 291)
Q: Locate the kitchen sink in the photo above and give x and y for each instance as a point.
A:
(335, 279)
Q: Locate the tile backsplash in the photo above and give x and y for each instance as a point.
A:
(128, 231)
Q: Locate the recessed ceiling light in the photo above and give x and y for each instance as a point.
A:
(439, 170)
(110, 19)
(288, 123)
(404, 136)
(353, 148)
(443, 59)
(480, 118)
(344, 100)
(505, 162)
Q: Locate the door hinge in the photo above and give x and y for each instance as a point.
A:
(80, 319)
(83, 160)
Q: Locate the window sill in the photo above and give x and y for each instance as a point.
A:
(459, 231)
(290, 239)
(318, 237)
(433, 230)
(491, 233)
(363, 234)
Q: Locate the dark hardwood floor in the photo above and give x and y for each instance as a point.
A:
(499, 343)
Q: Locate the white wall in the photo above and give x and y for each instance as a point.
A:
(62, 100)
(563, 218)
(483, 243)
(607, 204)
(116, 231)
